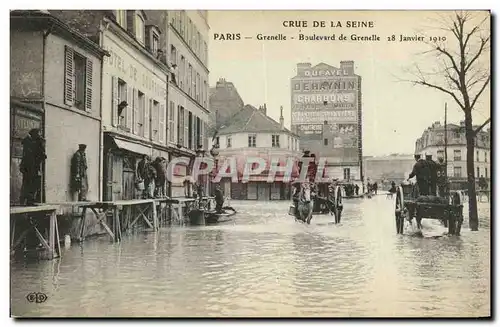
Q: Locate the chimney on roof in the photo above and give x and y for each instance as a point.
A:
(347, 66)
(282, 119)
(264, 109)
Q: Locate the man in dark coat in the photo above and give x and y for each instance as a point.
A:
(433, 170)
(160, 164)
(33, 156)
(421, 171)
(146, 173)
(219, 199)
(356, 189)
(79, 172)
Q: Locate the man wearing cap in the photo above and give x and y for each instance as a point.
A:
(421, 171)
(79, 172)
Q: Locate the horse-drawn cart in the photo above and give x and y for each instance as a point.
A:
(410, 205)
(320, 205)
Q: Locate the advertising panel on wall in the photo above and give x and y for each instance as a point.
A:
(310, 131)
(319, 117)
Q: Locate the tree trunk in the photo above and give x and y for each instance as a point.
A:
(471, 181)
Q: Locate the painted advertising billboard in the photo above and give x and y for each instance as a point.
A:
(319, 117)
(327, 96)
(311, 131)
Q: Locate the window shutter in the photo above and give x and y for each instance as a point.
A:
(161, 126)
(148, 103)
(135, 119)
(114, 101)
(88, 85)
(186, 128)
(68, 76)
(130, 107)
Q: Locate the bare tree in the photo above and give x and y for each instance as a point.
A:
(460, 73)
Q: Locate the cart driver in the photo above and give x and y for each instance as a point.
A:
(421, 171)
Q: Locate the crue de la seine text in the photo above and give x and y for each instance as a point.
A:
(332, 23)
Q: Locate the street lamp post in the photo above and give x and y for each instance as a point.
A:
(215, 153)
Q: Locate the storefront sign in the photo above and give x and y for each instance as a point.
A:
(319, 117)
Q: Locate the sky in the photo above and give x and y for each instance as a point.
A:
(395, 112)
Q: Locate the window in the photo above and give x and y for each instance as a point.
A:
(79, 81)
(485, 156)
(275, 141)
(155, 121)
(485, 172)
(198, 44)
(78, 75)
(121, 18)
(189, 33)
(182, 22)
(180, 125)
(228, 142)
(456, 133)
(182, 72)
(171, 122)
(325, 142)
(173, 55)
(347, 173)
(457, 171)
(122, 97)
(440, 154)
(477, 172)
(195, 82)
(190, 131)
(288, 142)
(217, 141)
(457, 155)
(139, 28)
(154, 44)
(190, 79)
(477, 155)
(206, 53)
(252, 141)
(199, 133)
(140, 114)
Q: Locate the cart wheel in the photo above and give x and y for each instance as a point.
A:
(399, 211)
(338, 204)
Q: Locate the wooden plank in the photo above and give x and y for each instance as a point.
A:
(33, 209)
(100, 220)
(52, 234)
(70, 204)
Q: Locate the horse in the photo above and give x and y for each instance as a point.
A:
(305, 205)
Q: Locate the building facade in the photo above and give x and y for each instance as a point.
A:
(327, 115)
(55, 85)
(251, 133)
(385, 169)
(155, 90)
(188, 114)
(432, 142)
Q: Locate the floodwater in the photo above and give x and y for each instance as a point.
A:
(264, 264)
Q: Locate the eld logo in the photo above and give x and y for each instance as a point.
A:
(36, 297)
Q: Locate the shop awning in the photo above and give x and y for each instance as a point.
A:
(127, 145)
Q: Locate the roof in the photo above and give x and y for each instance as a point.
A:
(252, 120)
(43, 18)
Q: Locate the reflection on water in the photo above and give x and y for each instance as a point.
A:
(264, 264)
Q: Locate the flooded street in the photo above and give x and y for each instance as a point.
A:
(263, 263)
